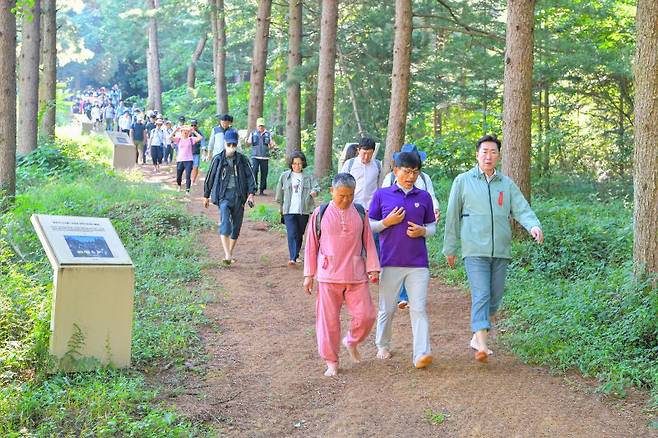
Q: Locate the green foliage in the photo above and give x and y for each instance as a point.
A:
(266, 213)
(69, 178)
(435, 418)
(101, 403)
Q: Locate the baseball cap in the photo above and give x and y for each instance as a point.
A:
(260, 121)
(231, 136)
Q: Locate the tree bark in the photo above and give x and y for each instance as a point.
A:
(645, 181)
(258, 63)
(28, 86)
(48, 89)
(546, 159)
(397, 113)
(154, 99)
(438, 122)
(191, 69)
(293, 94)
(517, 94)
(219, 54)
(7, 105)
(540, 131)
(355, 108)
(326, 79)
(311, 100)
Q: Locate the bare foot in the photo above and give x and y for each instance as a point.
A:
(332, 369)
(383, 353)
(475, 346)
(354, 353)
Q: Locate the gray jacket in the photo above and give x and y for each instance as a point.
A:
(283, 192)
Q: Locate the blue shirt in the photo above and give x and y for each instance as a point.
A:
(396, 248)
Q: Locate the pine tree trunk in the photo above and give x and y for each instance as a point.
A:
(28, 86)
(311, 100)
(293, 93)
(350, 88)
(540, 131)
(546, 158)
(48, 89)
(438, 122)
(191, 69)
(517, 95)
(154, 99)
(397, 113)
(326, 79)
(258, 63)
(7, 105)
(219, 54)
(645, 181)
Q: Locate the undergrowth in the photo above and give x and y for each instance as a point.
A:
(69, 178)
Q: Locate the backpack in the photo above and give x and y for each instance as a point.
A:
(362, 214)
(377, 162)
(422, 175)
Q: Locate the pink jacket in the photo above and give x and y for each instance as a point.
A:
(337, 257)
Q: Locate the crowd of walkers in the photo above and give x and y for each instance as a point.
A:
(374, 229)
(102, 106)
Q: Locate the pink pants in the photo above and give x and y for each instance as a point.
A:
(327, 310)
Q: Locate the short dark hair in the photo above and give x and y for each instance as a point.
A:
(410, 160)
(367, 143)
(297, 154)
(486, 138)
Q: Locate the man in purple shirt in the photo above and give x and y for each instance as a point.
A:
(403, 215)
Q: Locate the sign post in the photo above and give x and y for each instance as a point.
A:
(93, 289)
(124, 156)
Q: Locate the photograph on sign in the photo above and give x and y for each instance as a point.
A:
(88, 246)
(71, 240)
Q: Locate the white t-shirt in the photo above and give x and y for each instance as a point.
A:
(366, 176)
(296, 181)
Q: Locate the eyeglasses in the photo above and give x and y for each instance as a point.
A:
(406, 171)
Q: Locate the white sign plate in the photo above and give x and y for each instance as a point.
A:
(75, 240)
(119, 138)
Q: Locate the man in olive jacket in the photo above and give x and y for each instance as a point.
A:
(480, 206)
(229, 184)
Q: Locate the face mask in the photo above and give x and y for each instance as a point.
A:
(230, 151)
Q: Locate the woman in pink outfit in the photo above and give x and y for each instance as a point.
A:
(184, 140)
(342, 258)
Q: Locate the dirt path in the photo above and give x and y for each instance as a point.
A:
(263, 376)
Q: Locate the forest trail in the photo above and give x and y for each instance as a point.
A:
(263, 376)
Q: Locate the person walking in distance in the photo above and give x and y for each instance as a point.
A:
(196, 150)
(261, 143)
(185, 140)
(229, 184)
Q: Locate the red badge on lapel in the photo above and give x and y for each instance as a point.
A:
(500, 199)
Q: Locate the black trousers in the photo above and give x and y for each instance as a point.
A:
(263, 165)
(187, 167)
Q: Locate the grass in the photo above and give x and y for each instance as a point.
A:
(72, 177)
(435, 418)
